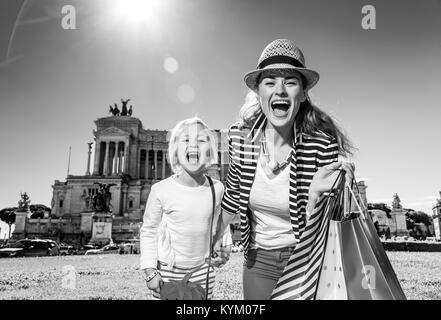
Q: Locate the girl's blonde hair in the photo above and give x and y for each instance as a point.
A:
(173, 145)
(310, 120)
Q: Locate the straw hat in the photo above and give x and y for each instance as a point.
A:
(282, 54)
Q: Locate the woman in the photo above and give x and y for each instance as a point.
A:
(283, 158)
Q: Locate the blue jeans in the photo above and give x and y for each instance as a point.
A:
(262, 270)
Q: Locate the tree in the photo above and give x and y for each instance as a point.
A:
(413, 217)
(409, 223)
(7, 215)
(380, 206)
(38, 210)
(419, 217)
(37, 214)
(422, 217)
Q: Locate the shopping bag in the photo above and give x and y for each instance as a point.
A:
(355, 265)
(332, 285)
(300, 276)
(183, 290)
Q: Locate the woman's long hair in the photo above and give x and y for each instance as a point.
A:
(310, 120)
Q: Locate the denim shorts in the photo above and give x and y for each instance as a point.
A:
(262, 270)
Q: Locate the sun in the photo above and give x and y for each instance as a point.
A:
(135, 12)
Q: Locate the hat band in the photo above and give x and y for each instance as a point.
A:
(280, 59)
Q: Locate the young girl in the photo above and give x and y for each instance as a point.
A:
(176, 228)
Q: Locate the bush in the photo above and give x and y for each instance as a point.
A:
(412, 246)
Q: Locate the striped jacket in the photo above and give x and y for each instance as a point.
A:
(309, 154)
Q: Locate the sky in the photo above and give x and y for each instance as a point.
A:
(176, 59)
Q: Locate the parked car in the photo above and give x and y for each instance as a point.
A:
(107, 249)
(86, 248)
(31, 248)
(130, 247)
(3, 243)
(66, 249)
(54, 247)
(8, 252)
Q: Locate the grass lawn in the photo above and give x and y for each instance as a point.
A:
(119, 277)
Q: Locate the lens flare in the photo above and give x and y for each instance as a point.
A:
(171, 65)
(186, 94)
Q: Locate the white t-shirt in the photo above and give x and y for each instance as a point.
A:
(176, 223)
(269, 203)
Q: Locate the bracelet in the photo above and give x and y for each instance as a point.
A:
(151, 276)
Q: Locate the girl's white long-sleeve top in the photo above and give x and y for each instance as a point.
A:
(176, 223)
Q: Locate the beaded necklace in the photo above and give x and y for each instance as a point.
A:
(273, 165)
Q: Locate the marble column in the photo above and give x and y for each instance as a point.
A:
(124, 190)
(147, 165)
(120, 157)
(138, 164)
(106, 159)
(163, 164)
(126, 157)
(155, 157)
(114, 161)
(96, 163)
(116, 157)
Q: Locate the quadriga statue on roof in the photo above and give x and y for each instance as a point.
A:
(114, 111)
(124, 107)
(124, 111)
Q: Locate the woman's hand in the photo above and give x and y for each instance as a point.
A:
(324, 179)
(156, 283)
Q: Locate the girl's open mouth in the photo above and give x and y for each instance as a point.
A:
(193, 157)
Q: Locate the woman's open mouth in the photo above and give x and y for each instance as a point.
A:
(280, 107)
(193, 157)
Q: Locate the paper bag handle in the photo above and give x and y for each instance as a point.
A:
(357, 202)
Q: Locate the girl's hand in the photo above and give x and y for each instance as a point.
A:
(220, 254)
(218, 262)
(156, 283)
(225, 253)
(325, 178)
